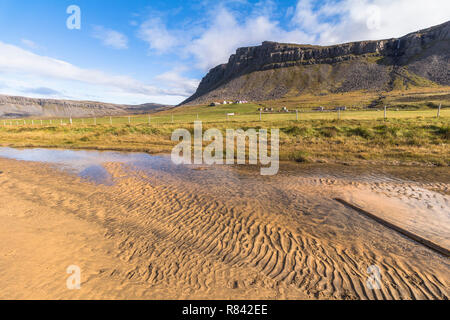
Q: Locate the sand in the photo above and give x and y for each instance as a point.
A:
(228, 235)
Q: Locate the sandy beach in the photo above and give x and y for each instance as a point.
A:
(214, 234)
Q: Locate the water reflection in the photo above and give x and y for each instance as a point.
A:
(90, 164)
(87, 164)
(297, 191)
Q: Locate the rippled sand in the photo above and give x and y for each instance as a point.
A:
(220, 233)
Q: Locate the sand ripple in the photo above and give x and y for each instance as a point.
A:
(230, 234)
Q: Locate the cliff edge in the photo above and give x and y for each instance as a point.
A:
(275, 70)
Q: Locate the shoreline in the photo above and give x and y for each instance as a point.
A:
(359, 162)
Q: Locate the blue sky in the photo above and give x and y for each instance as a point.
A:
(157, 51)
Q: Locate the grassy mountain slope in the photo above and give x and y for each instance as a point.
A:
(274, 70)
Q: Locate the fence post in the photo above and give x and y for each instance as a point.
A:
(439, 111)
(70, 121)
(339, 113)
(95, 121)
(172, 117)
(385, 113)
(260, 115)
(296, 114)
(110, 120)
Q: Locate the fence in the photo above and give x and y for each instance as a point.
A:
(297, 115)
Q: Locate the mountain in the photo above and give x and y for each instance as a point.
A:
(21, 107)
(275, 70)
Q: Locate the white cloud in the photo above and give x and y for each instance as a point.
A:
(110, 38)
(175, 80)
(15, 59)
(368, 19)
(154, 32)
(29, 43)
(34, 70)
(309, 22)
(226, 34)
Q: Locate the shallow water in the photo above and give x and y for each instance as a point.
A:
(87, 164)
(90, 164)
(267, 222)
(410, 190)
(245, 182)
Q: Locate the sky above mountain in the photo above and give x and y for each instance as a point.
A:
(140, 51)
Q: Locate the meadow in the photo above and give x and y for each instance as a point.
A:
(409, 137)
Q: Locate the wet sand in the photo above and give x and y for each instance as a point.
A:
(221, 233)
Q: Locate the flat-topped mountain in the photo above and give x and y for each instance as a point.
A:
(20, 107)
(275, 70)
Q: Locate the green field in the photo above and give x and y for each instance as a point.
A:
(410, 137)
(243, 113)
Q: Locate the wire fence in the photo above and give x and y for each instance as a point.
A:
(178, 118)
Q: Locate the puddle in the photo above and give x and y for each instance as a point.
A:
(90, 164)
(86, 164)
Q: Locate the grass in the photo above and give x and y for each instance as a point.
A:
(406, 137)
(413, 98)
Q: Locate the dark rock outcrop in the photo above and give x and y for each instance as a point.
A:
(272, 69)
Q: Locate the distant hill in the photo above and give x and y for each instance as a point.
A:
(276, 70)
(21, 107)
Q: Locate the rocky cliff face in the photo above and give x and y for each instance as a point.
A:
(373, 65)
(20, 107)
